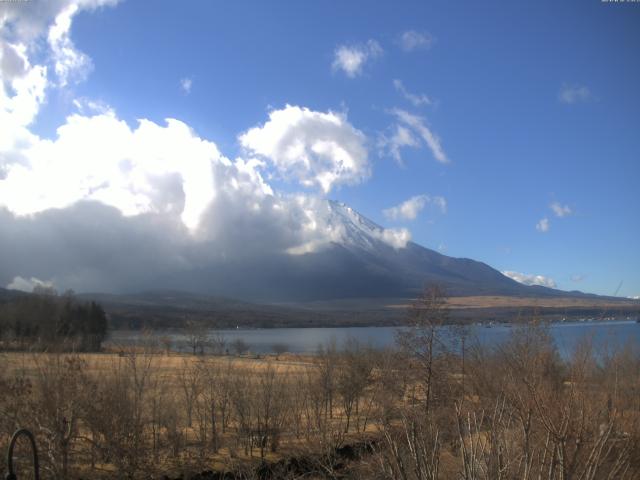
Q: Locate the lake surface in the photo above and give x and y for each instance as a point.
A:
(567, 335)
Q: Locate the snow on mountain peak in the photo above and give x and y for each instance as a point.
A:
(359, 231)
(342, 225)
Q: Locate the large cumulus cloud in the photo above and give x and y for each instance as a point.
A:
(152, 168)
(316, 148)
(108, 206)
(36, 54)
(105, 205)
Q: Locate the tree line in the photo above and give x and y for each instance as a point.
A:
(46, 320)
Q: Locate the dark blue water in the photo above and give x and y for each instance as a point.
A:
(606, 334)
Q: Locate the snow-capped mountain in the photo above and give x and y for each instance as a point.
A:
(362, 260)
(358, 232)
(340, 255)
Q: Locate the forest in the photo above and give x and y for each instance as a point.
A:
(45, 320)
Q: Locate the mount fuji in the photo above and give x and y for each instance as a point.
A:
(363, 261)
(360, 274)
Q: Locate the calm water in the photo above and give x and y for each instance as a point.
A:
(306, 340)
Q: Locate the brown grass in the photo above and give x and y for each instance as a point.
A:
(531, 302)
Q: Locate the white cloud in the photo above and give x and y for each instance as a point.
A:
(407, 132)
(413, 40)
(635, 297)
(147, 169)
(13, 60)
(19, 106)
(246, 234)
(88, 106)
(69, 63)
(578, 278)
(571, 94)
(416, 99)
(314, 148)
(440, 202)
(397, 238)
(185, 85)
(29, 21)
(28, 284)
(352, 58)
(105, 205)
(560, 210)
(29, 29)
(530, 279)
(168, 173)
(331, 222)
(35, 22)
(409, 209)
(402, 137)
(543, 225)
(158, 201)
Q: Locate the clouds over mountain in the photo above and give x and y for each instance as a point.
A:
(105, 205)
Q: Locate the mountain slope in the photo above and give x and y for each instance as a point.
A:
(380, 269)
(364, 262)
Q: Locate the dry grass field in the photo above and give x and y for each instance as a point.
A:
(167, 365)
(488, 301)
(415, 413)
(193, 412)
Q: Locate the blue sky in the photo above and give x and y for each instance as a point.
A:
(534, 106)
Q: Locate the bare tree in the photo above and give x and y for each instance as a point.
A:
(196, 337)
(354, 376)
(326, 362)
(410, 450)
(115, 411)
(215, 400)
(241, 393)
(279, 348)
(240, 347)
(57, 407)
(217, 342)
(423, 338)
(271, 402)
(189, 379)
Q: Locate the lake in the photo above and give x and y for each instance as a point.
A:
(306, 340)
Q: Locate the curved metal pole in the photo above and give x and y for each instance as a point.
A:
(36, 467)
